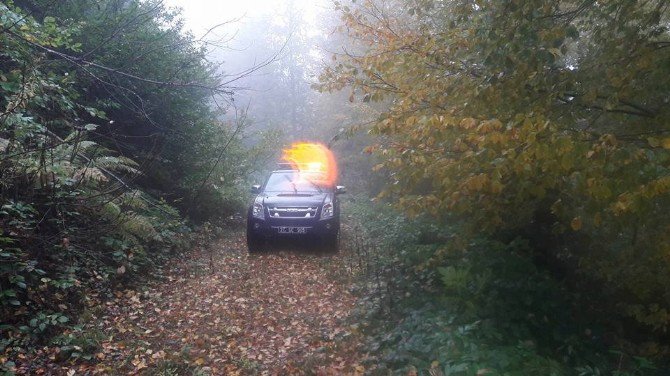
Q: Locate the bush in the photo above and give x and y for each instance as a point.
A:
(84, 169)
(486, 309)
(546, 117)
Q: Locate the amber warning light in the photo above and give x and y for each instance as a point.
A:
(315, 160)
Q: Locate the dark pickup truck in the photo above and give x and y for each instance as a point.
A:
(290, 204)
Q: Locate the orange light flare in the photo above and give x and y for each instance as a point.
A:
(315, 162)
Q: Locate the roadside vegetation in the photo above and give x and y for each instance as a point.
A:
(488, 309)
(524, 146)
(111, 150)
(509, 163)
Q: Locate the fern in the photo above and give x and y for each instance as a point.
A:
(139, 226)
(90, 174)
(117, 164)
(87, 145)
(111, 210)
(133, 199)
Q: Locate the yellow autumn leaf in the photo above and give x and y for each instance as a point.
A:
(496, 187)
(378, 167)
(666, 143)
(410, 121)
(576, 223)
(468, 123)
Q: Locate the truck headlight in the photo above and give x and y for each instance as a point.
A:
(257, 211)
(328, 211)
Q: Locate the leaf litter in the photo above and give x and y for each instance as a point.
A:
(221, 311)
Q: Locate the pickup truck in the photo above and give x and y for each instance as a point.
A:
(291, 204)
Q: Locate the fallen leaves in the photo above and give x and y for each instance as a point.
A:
(281, 312)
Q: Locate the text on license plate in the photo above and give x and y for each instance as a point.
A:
(291, 230)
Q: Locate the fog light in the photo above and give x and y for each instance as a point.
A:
(257, 226)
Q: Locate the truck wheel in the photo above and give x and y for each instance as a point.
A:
(254, 242)
(331, 243)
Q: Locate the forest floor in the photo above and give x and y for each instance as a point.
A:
(221, 311)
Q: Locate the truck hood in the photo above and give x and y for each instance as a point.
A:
(293, 199)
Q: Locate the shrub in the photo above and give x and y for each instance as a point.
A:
(486, 309)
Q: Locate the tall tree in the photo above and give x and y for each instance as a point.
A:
(544, 118)
(105, 113)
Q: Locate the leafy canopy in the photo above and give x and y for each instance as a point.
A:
(515, 116)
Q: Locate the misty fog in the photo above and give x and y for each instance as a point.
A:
(276, 48)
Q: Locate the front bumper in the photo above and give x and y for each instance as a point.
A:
(271, 227)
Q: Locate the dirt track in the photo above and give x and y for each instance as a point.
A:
(222, 311)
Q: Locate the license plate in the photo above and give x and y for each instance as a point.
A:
(291, 230)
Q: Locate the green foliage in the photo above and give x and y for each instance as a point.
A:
(43, 322)
(486, 310)
(105, 128)
(541, 119)
(79, 344)
(219, 187)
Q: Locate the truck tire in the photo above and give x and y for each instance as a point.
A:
(254, 242)
(331, 243)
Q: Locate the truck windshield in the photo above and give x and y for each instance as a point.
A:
(292, 181)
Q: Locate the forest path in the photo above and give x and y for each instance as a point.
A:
(221, 311)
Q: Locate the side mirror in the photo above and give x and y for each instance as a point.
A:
(256, 189)
(339, 189)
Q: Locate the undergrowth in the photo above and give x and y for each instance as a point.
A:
(485, 309)
(90, 188)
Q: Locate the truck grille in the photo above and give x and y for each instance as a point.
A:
(293, 211)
